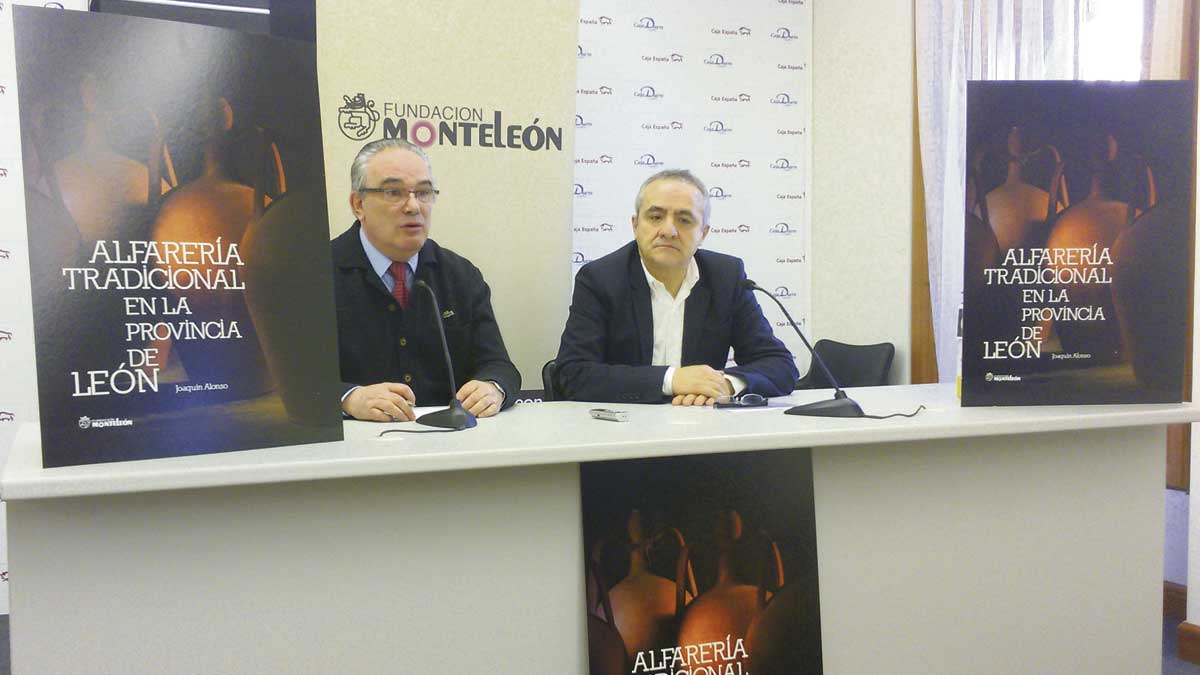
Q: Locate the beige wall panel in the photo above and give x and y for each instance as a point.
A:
(863, 130)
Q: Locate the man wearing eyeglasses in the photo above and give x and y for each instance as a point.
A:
(655, 320)
(388, 346)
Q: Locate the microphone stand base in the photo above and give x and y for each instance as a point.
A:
(842, 406)
(454, 417)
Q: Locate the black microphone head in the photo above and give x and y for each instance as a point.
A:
(749, 284)
(419, 283)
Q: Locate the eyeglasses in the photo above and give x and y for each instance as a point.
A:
(398, 195)
(744, 400)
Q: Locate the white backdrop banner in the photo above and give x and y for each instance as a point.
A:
(722, 89)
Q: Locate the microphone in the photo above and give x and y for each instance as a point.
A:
(454, 416)
(840, 405)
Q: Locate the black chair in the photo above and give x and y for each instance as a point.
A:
(550, 391)
(852, 365)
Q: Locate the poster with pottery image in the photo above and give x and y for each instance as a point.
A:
(178, 241)
(702, 564)
(1078, 242)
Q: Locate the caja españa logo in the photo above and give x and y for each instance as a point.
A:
(743, 228)
(357, 117)
(647, 92)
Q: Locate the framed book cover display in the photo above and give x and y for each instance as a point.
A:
(1078, 242)
(178, 238)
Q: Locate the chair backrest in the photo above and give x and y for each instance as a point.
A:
(852, 365)
(550, 392)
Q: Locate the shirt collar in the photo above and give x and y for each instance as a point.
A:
(690, 277)
(380, 262)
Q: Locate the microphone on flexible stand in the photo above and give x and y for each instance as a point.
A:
(840, 405)
(454, 416)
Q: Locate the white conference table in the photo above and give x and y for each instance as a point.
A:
(965, 540)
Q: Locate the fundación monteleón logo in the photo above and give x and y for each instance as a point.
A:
(718, 192)
(647, 160)
(86, 422)
(782, 33)
(581, 123)
(717, 127)
(784, 292)
(581, 191)
(578, 258)
(782, 229)
(357, 117)
(583, 54)
(783, 98)
(647, 23)
(991, 377)
(429, 124)
(718, 60)
(783, 164)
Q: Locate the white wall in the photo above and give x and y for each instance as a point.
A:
(863, 140)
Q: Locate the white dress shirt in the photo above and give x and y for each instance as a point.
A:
(667, 312)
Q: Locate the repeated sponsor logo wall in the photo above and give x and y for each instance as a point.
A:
(722, 89)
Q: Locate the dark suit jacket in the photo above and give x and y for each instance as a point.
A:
(609, 339)
(379, 342)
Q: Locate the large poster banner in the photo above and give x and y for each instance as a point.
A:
(722, 89)
(178, 248)
(702, 564)
(1078, 242)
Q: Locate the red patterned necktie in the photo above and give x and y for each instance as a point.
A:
(400, 288)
